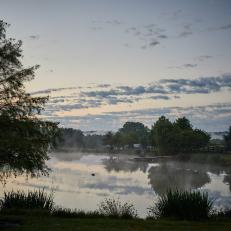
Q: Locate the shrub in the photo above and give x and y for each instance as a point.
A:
(32, 200)
(114, 208)
(187, 205)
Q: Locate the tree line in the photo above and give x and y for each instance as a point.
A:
(164, 137)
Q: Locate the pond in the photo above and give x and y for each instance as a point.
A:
(81, 181)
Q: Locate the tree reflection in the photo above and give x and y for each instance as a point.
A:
(165, 176)
(117, 165)
(170, 174)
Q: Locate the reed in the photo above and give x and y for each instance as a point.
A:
(183, 205)
(32, 200)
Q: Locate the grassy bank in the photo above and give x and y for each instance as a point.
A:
(38, 223)
(35, 210)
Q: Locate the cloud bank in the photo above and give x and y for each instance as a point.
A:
(214, 117)
(211, 117)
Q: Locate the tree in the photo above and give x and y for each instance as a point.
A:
(108, 139)
(177, 137)
(134, 133)
(162, 135)
(69, 138)
(227, 139)
(24, 138)
(183, 123)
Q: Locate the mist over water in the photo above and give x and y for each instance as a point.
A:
(81, 181)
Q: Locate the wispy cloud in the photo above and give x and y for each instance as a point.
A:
(110, 22)
(186, 65)
(34, 37)
(214, 117)
(168, 86)
(74, 98)
(222, 27)
(203, 58)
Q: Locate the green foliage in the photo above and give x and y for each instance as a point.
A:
(131, 133)
(183, 123)
(24, 138)
(227, 139)
(32, 200)
(184, 205)
(134, 133)
(114, 208)
(69, 138)
(177, 137)
(93, 141)
(108, 138)
(162, 135)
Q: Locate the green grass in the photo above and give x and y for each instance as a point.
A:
(183, 205)
(38, 223)
(111, 207)
(32, 200)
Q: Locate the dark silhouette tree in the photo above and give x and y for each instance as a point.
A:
(108, 139)
(24, 138)
(178, 137)
(183, 123)
(162, 136)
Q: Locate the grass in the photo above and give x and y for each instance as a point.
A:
(183, 205)
(32, 200)
(45, 223)
(109, 207)
(114, 208)
(68, 213)
(106, 217)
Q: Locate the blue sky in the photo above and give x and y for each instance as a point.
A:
(104, 62)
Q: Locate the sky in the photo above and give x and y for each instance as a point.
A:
(105, 62)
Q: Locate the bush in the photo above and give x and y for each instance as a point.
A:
(192, 205)
(32, 200)
(114, 208)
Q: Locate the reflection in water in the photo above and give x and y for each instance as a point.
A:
(165, 176)
(118, 164)
(133, 181)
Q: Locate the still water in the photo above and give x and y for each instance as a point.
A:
(81, 181)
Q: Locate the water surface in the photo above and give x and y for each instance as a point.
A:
(83, 180)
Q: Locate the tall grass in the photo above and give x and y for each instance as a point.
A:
(32, 200)
(186, 205)
(65, 212)
(111, 207)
